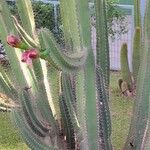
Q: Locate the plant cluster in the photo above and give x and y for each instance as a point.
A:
(60, 95)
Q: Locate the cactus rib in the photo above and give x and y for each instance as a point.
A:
(68, 98)
(136, 58)
(68, 124)
(26, 15)
(64, 62)
(26, 37)
(103, 96)
(28, 135)
(26, 102)
(137, 13)
(102, 46)
(141, 104)
(71, 27)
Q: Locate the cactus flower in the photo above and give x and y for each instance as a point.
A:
(29, 55)
(16, 42)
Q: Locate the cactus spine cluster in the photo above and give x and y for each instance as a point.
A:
(61, 97)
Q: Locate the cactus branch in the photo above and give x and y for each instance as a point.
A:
(102, 46)
(62, 61)
(137, 53)
(125, 71)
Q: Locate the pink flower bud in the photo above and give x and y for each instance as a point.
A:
(13, 41)
(29, 55)
(16, 42)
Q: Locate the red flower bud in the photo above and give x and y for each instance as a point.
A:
(16, 42)
(13, 41)
(29, 55)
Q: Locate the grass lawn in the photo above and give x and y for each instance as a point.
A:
(9, 137)
(121, 110)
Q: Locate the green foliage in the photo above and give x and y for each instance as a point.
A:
(115, 15)
(44, 17)
(43, 14)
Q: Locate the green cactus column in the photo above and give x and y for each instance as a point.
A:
(141, 104)
(139, 121)
(95, 128)
(137, 42)
(125, 71)
(27, 16)
(85, 80)
(102, 73)
(137, 14)
(137, 52)
(102, 45)
(71, 28)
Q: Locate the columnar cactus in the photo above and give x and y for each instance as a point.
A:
(137, 46)
(138, 137)
(102, 38)
(125, 71)
(137, 53)
(61, 98)
(137, 13)
(136, 61)
(137, 41)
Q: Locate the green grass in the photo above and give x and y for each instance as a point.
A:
(121, 110)
(9, 137)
